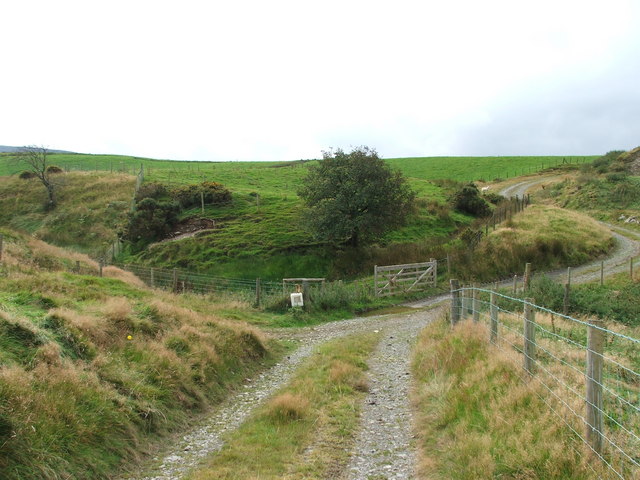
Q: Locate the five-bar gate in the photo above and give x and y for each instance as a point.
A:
(395, 279)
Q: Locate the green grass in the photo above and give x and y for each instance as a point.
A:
(93, 370)
(305, 430)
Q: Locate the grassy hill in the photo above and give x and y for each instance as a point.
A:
(91, 368)
(259, 233)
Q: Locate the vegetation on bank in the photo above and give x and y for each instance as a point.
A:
(92, 368)
(305, 430)
(479, 419)
(90, 208)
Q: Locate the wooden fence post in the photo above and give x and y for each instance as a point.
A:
(595, 344)
(463, 297)
(475, 304)
(375, 280)
(175, 280)
(565, 300)
(515, 284)
(434, 262)
(602, 273)
(455, 301)
(258, 292)
(305, 296)
(152, 278)
(494, 318)
(529, 336)
(448, 266)
(569, 276)
(527, 277)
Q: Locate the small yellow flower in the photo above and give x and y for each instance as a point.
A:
(129, 337)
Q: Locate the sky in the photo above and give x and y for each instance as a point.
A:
(285, 80)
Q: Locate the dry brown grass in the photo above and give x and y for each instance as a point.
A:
(348, 374)
(288, 406)
(122, 275)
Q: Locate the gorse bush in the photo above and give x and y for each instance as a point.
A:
(191, 195)
(469, 200)
(151, 220)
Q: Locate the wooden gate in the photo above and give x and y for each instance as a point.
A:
(395, 279)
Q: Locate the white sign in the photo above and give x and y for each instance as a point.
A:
(296, 300)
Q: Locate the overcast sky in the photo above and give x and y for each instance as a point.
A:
(284, 80)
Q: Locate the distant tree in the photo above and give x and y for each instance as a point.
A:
(36, 160)
(354, 197)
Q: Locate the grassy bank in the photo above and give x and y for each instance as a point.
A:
(546, 236)
(479, 419)
(92, 369)
(305, 430)
(91, 207)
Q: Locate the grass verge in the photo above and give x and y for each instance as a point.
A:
(478, 419)
(305, 430)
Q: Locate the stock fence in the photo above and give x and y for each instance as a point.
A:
(589, 373)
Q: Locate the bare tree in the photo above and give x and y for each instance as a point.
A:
(36, 160)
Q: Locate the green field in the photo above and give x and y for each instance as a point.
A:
(259, 233)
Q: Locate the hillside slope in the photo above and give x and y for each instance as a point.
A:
(91, 368)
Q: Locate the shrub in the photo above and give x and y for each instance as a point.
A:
(26, 175)
(151, 220)
(154, 190)
(190, 195)
(54, 169)
(469, 200)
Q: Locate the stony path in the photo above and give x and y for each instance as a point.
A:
(384, 445)
(207, 438)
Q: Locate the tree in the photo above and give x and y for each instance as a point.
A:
(36, 160)
(354, 197)
(468, 200)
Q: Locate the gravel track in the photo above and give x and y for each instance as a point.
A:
(389, 384)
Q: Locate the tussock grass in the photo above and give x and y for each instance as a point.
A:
(305, 430)
(92, 369)
(479, 419)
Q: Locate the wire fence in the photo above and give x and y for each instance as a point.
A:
(588, 373)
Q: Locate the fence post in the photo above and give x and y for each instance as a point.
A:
(565, 300)
(258, 291)
(305, 296)
(1, 245)
(569, 275)
(175, 280)
(529, 336)
(527, 277)
(494, 318)
(476, 311)
(434, 263)
(463, 303)
(515, 284)
(375, 280)
(455, 301)
(595, 344)
(602, 273)
(152, 278)
(448, 266)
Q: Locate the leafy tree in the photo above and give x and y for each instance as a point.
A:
(354, 197)
(36, 160)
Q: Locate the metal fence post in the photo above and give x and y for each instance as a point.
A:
(595, 344)
(494, 318)
(455, 301)
(529, 336)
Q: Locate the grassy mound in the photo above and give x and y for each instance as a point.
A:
(91, 368)
(546, 236)
(91, 206)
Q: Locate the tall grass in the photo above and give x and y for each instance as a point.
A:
(479, 419)
(93, 369)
